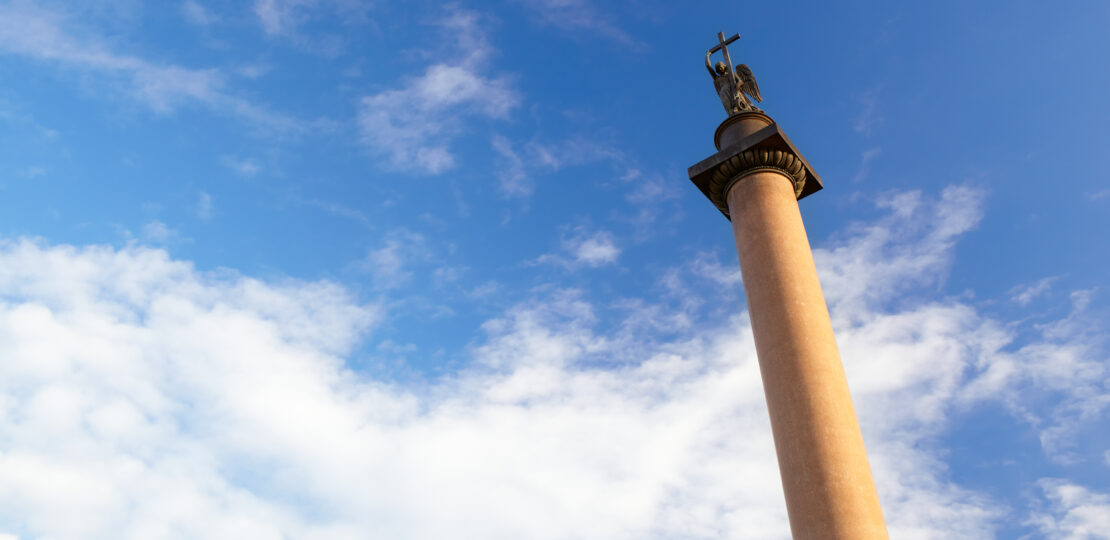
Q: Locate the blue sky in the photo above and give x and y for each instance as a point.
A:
(346, 269)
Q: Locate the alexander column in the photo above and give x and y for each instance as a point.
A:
(756, 179)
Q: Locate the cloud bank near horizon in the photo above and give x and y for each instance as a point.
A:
(140, 397)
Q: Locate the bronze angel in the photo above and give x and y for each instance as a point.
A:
(734, 86)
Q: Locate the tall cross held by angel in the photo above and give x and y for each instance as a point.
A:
(733, 85)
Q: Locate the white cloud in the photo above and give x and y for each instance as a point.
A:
(910, 248)
(283, 17)
(648, 192)
(122, 371)
(647, 189)
(391, 265)
(585, 248)
(33, 171)
(516, 181)
(204, 206)
(413, 126)
(280, 16)
(1076, 512)
(595, 250)
(578, 15)
(254, 71)
(869, 116)
(44, 35)
(725, 275)
(341, 210)
(1057, 383)
(158, 232)
(197, 13)
(1022, 295)
(140, 397)
(520, 167)
(1052, 379)
(242, 166)
(865, 163)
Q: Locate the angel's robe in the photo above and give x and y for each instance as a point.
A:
(728, 92)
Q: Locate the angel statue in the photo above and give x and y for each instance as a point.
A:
(733, 86)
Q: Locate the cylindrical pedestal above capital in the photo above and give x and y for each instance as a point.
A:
(830, 493)
(746, 141)
(738, 126)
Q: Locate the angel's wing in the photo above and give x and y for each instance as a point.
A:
(748, 78)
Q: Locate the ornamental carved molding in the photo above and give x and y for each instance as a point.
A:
(751, 161)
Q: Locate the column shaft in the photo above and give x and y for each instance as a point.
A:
(830, 493)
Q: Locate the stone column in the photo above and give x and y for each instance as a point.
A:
(756, 180)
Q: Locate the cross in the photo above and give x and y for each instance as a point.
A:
(722, 45)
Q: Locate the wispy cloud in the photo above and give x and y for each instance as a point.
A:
(204, 206)
(340, 210)
(1099, 195)
(516, 180)
(34, 171)
(413, 126)
(523, 163)
(1053, 384)
(14, 114)
(578, 16)
(865, 163)
(869, 116)
(391, 265)
(148, 382)
(159, 233)
(583, 247)
(290, 21)
(594, 250)
(242, 166)
(1073, 512)
(197, 14)
(909, 248)
(283, 17)
(653, 197)
(44, 35)
(1022, 295)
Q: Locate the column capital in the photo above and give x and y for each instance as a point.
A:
(750, 161)
(748, 143)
